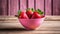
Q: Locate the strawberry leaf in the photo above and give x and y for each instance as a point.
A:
(32, 9)
(19, 11)
(39, 11)
(27, 9)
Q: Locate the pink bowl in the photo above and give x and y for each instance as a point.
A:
(31, 24)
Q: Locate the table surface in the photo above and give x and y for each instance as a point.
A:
(11, 25)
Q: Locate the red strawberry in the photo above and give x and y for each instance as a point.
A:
(36, 15)
(23, 15)
(29, 13)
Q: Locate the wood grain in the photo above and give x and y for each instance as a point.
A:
(12, 7)
(56, 7)
(30, 32)
(23, 5)
(3, 7)
(30, 3)
(47, 27)
(48, 7)
(40, 4)
(52, 18)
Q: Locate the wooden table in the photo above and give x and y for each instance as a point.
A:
(11, 25)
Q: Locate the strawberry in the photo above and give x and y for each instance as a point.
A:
(37, 14)
(23, 15)
(29, 13)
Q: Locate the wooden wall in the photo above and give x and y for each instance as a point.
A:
(10, 7)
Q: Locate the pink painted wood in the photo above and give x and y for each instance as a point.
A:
(56, 7)
(23, 4)
(12, 7)
(3, 7)
(48, 7)
(40, 4)
(30, 3)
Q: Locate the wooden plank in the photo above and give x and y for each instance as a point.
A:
(12, 7)
(50, 24)
(45, 24)
(56, 7)
(9, 21)
(48, 7)
(3, 7)
(23, 4)
(10, 25)
(49, 29)
(30, 3)
(30, 32)
(36, 32)
(52, 18)
(40, 4)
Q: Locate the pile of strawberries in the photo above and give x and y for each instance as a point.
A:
(30, 13)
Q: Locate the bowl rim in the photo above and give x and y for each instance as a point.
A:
(36, 18)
